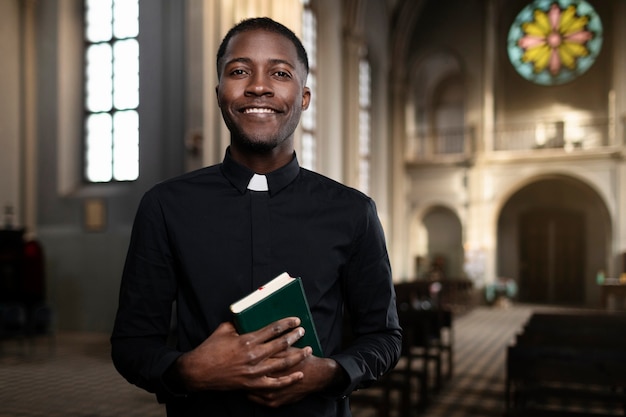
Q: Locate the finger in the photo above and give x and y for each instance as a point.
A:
(270, 347)
(268, 384)
(282, 381)
(267, 401)
(285, 341)
(276, 365)
(275, 329)
(261, 399)
(276, 397)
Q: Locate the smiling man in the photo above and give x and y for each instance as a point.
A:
(207, 238)
(261, 96)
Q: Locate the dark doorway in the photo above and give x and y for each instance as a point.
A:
(445, 240)
(552, 258)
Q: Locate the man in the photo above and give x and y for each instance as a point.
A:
(204, 240)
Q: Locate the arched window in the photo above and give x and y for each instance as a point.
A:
(438, 125)
(111, 141)
(448, 108)
(309, 117)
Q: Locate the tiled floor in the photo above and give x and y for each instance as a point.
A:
(477, 387)
(77, 379)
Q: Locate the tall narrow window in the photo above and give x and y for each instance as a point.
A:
(365, 100)
(111, 144)
(309, 40)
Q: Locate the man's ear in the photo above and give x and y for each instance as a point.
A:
(306, 97)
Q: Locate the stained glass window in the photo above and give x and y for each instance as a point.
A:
(111, 146)
(552, 42)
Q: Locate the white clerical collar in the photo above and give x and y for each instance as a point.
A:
(258, 183)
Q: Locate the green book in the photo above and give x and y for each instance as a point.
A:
(281, 297)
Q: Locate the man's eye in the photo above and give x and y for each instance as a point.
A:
(282, 74)
(238, 72)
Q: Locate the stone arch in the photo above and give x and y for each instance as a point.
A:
(437, 237)
(436, 102)
(554, 233)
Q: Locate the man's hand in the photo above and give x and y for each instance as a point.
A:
(319, 374)
(258, 360)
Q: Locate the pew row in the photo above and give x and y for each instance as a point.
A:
(567, 365)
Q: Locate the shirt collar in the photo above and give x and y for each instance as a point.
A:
(258, 183)
(239, 175)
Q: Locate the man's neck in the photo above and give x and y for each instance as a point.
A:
(263, 163)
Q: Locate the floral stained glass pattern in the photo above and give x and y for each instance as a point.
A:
(553, 42)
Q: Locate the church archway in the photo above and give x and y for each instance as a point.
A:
(445, 246)
(554, 235)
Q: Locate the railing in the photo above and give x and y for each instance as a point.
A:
(450, 142)
(460, 144)
(567, 135)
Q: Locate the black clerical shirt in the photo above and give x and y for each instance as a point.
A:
(204, 241)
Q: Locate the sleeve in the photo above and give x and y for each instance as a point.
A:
(370, 305)
(139, 347)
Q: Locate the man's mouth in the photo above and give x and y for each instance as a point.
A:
(258, 110)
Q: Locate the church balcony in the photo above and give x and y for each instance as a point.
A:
(535, 140)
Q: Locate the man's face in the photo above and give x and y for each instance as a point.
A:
(261, 90)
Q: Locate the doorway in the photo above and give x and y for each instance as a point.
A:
(552, 256)
(445, 245)
(554, 234)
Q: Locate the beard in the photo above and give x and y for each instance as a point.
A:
(256, 145)
(262, 142)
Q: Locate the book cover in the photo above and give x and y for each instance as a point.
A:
(281, 297)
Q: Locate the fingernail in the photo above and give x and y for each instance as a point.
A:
(301, 332)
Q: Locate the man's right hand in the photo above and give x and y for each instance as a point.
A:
(227, 360)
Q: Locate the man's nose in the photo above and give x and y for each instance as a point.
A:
(259, 85)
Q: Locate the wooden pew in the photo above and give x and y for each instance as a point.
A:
(536, 374)
(406, 387)
(427, 355)
(451, 294)
(570, 358)
(418, 376)
(415, 295)
(565, 321)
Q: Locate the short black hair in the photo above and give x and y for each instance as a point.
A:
(269, 25)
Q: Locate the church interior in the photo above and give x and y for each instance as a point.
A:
(490, 133)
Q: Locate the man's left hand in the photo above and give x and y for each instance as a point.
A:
(319, 373)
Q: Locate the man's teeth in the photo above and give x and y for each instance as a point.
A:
(258, 110)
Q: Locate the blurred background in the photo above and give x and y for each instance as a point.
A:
(489, 132)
